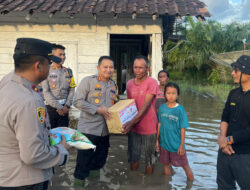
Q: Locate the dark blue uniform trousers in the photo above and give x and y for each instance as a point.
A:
(57, 120)
(92, 160)
(233, 168)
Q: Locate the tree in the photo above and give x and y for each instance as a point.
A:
(204, 38)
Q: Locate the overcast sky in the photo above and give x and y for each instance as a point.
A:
(227, 11)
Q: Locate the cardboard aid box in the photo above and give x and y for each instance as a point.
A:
(122, 112)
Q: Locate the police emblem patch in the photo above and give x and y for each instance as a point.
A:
(40, 114)
(72, 82)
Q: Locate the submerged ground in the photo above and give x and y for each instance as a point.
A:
(204, 117)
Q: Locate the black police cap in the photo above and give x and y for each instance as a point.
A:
(243, 63)
(32, 46)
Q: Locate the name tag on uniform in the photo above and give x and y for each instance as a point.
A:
(232, 104)
(98, 89)
(53, 75)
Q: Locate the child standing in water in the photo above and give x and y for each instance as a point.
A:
(171, 132)
(163, 77)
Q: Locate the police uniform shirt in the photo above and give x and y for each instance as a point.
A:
(92, 93)
(4, 81)
(59, 87)
(25, 155)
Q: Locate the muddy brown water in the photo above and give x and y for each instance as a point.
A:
(204, 117)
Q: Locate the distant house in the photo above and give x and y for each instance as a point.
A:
(91, 28)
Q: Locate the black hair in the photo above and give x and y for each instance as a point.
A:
(25, 62)
(163, 71)
(57, 46)
(144, 58)
(174, 85)
(105, 57)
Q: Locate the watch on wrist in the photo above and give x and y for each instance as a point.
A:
(228, 140)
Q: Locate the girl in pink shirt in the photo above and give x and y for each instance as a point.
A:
(163, 77)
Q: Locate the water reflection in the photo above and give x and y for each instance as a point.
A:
(204, 118)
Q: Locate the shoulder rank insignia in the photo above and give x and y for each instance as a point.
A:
(40, 114)
(70, 72)
(115, 91)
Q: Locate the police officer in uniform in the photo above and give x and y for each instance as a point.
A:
(93, 97)
(233, 164)
(26, 158)
(58, 90)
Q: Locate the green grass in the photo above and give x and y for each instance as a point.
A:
(219, 91)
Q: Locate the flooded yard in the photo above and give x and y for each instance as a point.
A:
(204, 117)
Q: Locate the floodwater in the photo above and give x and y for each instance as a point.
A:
(204, 117)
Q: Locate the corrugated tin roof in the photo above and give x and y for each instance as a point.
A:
(160, 7)
(227, 58)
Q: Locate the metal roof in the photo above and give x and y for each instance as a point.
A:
(227, 58)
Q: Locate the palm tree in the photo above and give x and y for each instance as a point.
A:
(203, 40)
